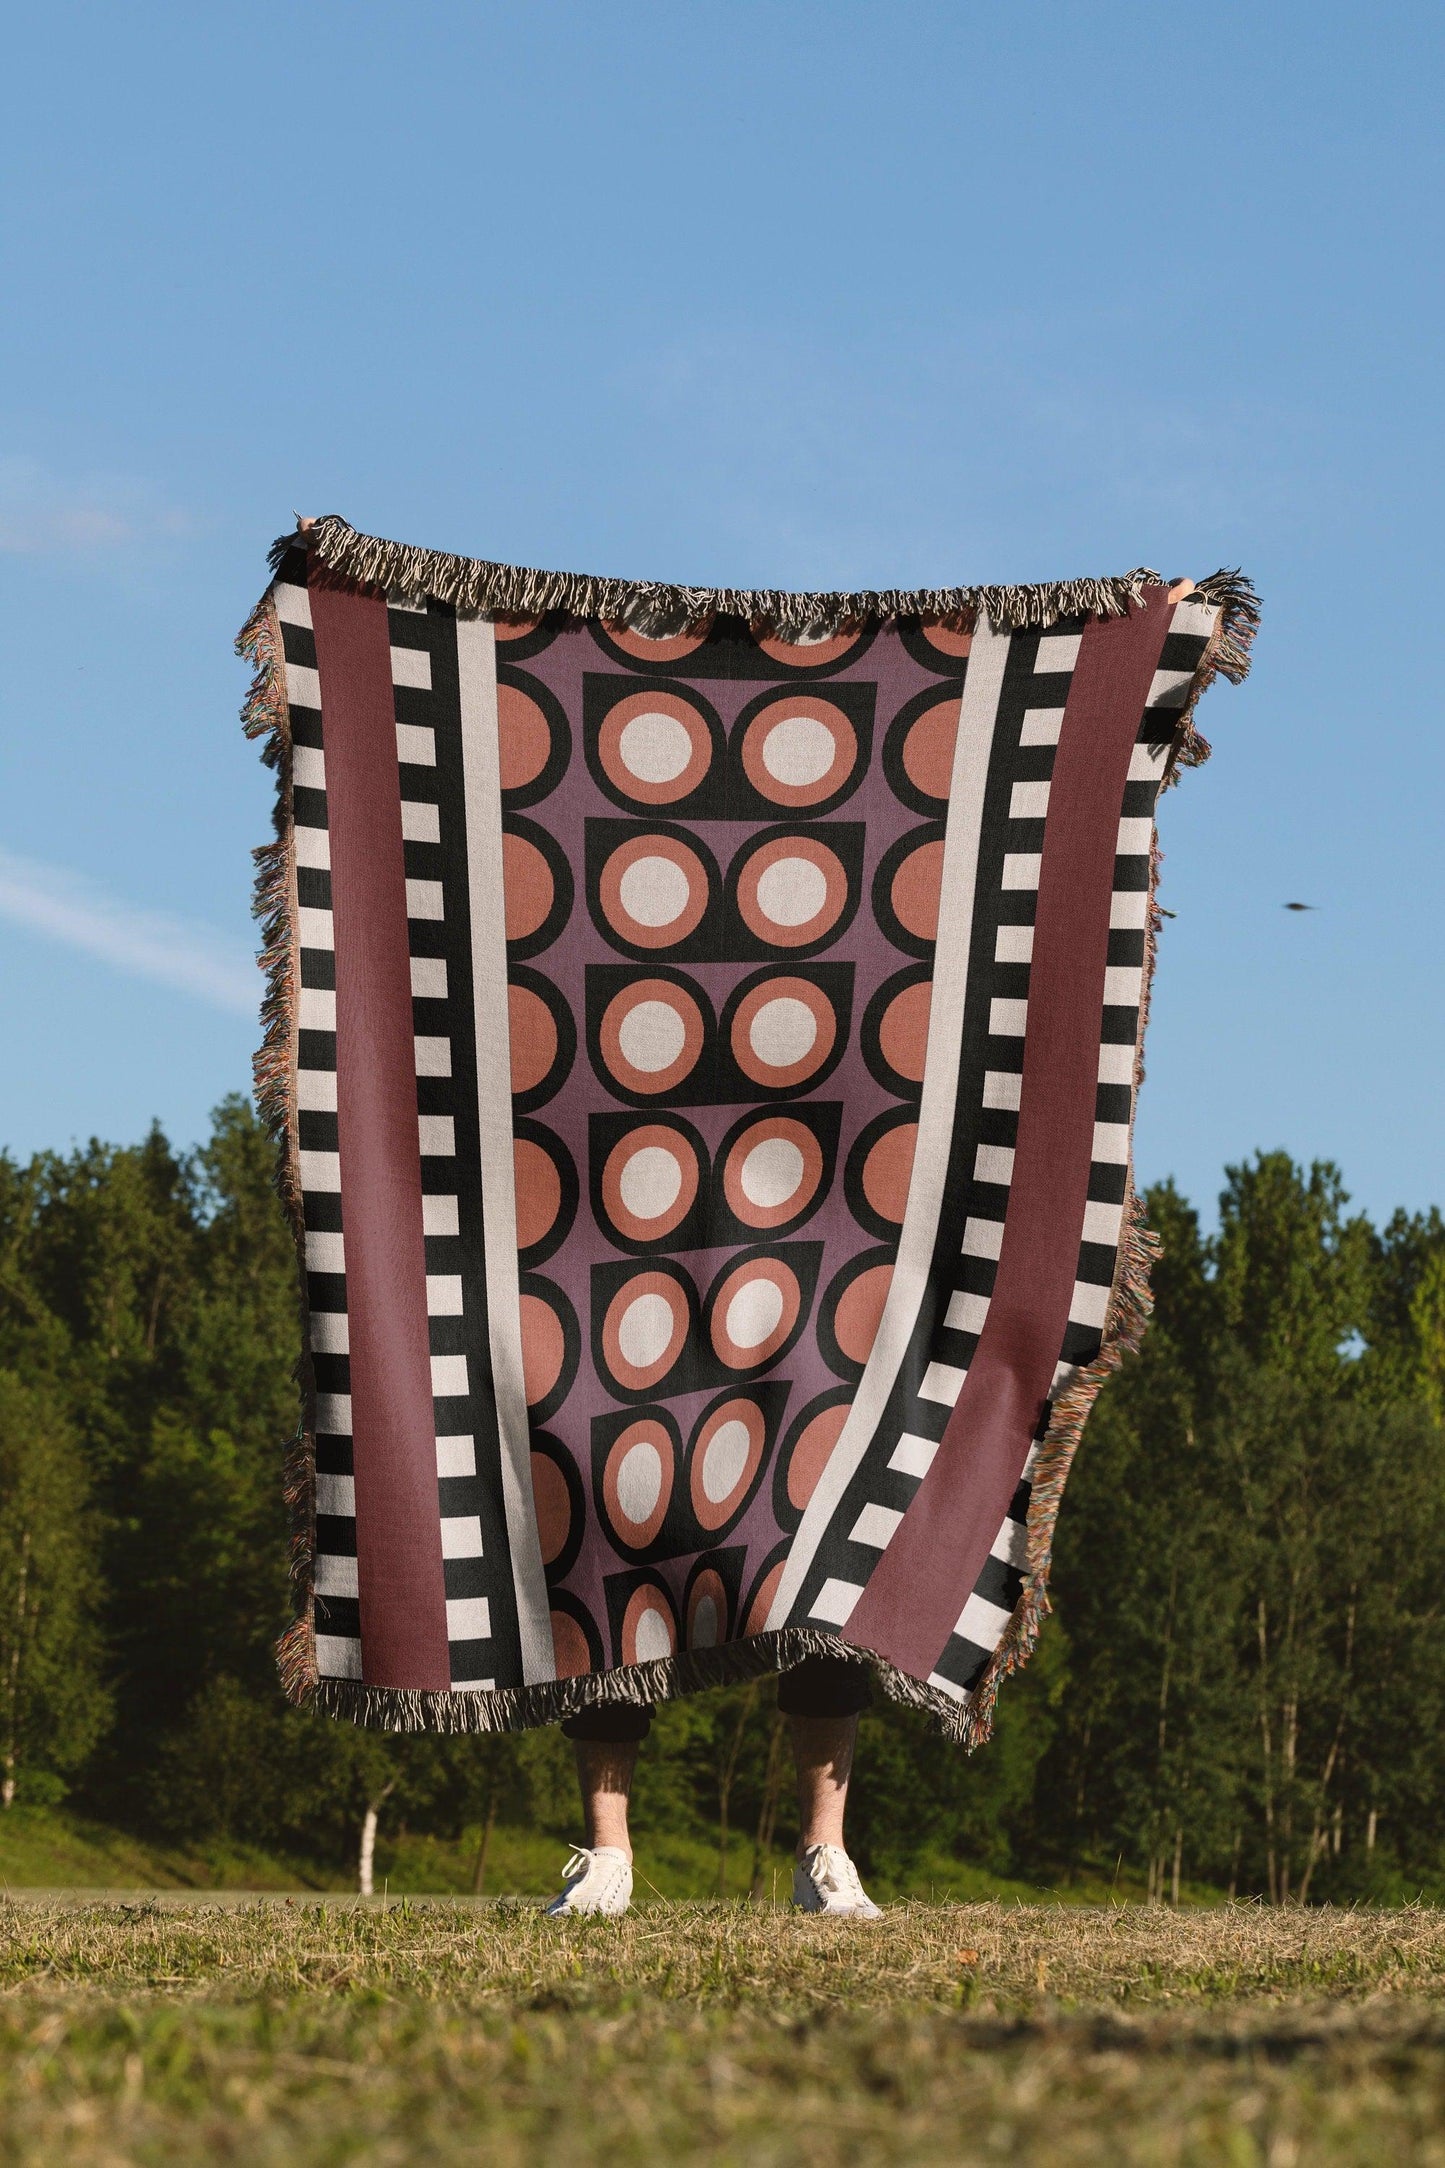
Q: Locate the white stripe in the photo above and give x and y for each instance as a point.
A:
(875, 1526)
(313, 847)
(314, 929)
(994, 1163)
(330, 1332)
(1089, 1304)
(443, 1293)
(336, 1495)
(411, 666)
(1041, 726)
(333, 1414)
(438, 1134)
(982, 1623)
(303, 686)
(429, 978)
(1011, 1544)
(983, 1238)
(1111, 1143)
(308, 767)
(439, 1216)
(420, 822)
(469, 1618)
(835, 1601)
(449, 1376)
(1014, 945)
(1136, 838)
(1007, 1019)
(424, 899)
(481, 772)
(338, 1657)
(316, 1090)
(325, 1252)
(973, 744)
(456, 1456)
(1129, 908)
(1116, 1064)
(942, 1382)
(461, 1536)
(1103, 1223)
(336, 1574)
(1146, 762)
(1195, 616)
(965, 1312)
(1123, 986)
(317, 1009)
(1169, 688)
(474, 1686)
(1003, 1088)
(1030, 802)
(433, 1056)
(950, 1687)
(416, 744)
(320, 1170)
(293, 604)
(1058, 651)
(913, 1455)
(1020, 870)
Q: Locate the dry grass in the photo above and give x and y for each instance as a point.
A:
(324, 2034)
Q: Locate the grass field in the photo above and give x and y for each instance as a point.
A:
(329, 2032)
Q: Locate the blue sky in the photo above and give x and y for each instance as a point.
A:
(779, 293)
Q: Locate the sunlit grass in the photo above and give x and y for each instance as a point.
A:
(321, 2032)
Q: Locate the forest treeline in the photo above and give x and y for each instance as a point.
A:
(1243, 1682)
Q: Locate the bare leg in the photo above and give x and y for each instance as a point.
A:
(823, 1752)
(604, 1774)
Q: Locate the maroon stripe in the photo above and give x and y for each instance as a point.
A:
(916, 1592)
(398, 1524)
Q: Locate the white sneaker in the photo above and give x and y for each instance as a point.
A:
(826, 1880)
(594, 1881)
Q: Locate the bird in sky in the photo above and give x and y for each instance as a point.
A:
(1301, 907)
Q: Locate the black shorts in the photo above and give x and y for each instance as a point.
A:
(818, 1686)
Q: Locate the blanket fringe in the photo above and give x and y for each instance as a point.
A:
(266, 716)
(472, 584)
(385, 1708)
(1130, 1306)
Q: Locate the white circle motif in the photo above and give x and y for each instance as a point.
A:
(771, 1173)
(783, 1032)
(798, 751)
(655, 748)
(651, 1182)
(644, 1333)
(724, 1461)
(654, 891)
(652, 1035)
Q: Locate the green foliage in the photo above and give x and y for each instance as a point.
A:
(1244, 1681)
(52, 1699)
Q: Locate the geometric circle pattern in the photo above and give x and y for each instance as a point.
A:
(721, 858)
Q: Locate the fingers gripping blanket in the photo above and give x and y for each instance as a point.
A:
(702, 1040)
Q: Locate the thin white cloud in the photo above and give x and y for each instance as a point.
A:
(43, 514)
(177, 952)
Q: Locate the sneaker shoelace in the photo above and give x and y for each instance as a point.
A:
(580, 1864)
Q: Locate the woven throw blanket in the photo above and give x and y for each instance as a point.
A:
(702, 1038)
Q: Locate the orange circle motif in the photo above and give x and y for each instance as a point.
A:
(654, 747)
(799, 750)
(792, 890)
(651, 1035)
(650, 1181)
(783, 1031)
(524, 737)
(654, 891)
